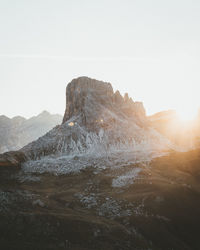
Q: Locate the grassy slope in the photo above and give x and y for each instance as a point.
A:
(161, 210)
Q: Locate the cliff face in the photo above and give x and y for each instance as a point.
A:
(83, 95)
(90, 103)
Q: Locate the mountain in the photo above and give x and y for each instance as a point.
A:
(97, 123)
(103, 179)
(18, 131)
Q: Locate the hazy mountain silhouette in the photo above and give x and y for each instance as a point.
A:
(18, 131)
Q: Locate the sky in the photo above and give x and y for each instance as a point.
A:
(148, 48)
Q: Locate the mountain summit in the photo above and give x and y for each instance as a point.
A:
(91, 102)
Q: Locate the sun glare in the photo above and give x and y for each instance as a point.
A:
(186, 114)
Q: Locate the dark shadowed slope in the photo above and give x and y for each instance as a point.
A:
(114, 208)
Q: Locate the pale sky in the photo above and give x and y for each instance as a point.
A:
(148, 48)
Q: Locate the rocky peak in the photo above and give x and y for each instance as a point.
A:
(18, 120)
(118, 99)
(44, 113)
(126, 97)
(83, 96)
(4, 119)
(89, 100)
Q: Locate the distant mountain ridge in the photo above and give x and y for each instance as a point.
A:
(18, 131)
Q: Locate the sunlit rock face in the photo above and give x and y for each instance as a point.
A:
(93, 104)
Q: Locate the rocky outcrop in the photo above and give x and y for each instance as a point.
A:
(84, 97)
(89, 101)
